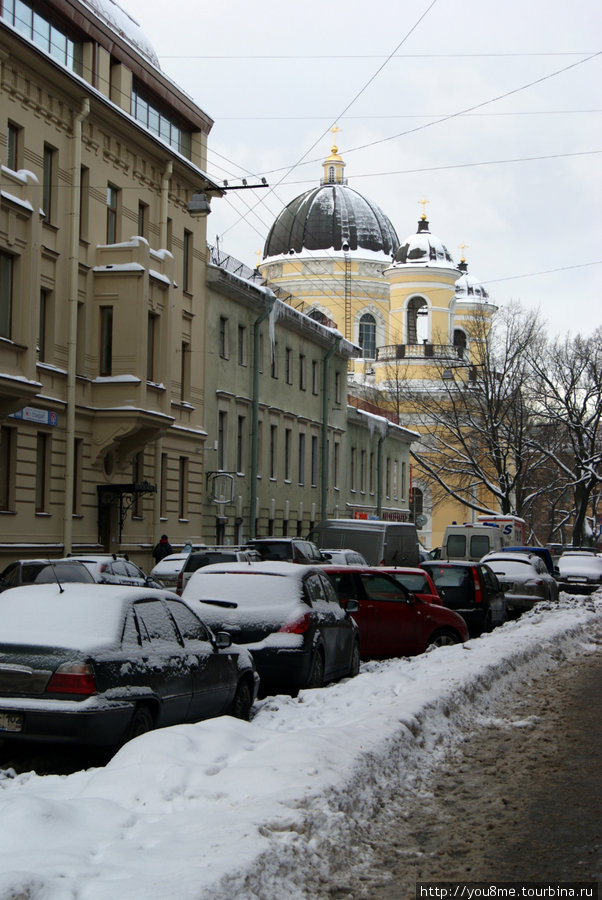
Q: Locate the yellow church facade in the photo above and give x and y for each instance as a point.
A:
(416, 315)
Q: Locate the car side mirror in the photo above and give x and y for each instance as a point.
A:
(351, 606)
(222, 640)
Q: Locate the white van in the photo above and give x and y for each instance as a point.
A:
(381, 543)
(473, 540)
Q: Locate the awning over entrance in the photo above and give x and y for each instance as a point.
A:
(123, 494)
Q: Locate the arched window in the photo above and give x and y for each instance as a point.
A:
(331, 174)
(460, 342)
(416, 320)
(367, 336)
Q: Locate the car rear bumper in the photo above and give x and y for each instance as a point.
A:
(476, 620)
(282, 669)
(579, 587)
(90, 722)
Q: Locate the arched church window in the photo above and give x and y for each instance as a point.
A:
(416, 321)
(331, 175)
(460, 342)
(367, 336)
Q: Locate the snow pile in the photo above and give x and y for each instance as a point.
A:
(227, 808)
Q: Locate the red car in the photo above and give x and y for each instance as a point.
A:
(392, 620)
(417, 581)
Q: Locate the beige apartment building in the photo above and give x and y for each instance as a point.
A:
(102, 273)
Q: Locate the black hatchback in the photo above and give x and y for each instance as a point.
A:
(472, 590)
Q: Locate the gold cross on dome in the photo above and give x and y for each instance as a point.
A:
(423, 202)
(463, 247)
(335, 129)
(258, 252)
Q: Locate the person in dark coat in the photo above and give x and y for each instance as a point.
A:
(162, 549)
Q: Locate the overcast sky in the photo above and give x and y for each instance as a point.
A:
(515, 179)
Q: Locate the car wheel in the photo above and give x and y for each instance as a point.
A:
(443, 638)
(241, 704)
(316, 676)
(142, 721)
(354, 668)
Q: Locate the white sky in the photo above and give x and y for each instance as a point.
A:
(229, 809)
(516, 218)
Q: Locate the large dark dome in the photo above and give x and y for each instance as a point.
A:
(331, 217)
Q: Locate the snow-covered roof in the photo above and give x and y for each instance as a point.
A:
(423, 249)
(469, 288)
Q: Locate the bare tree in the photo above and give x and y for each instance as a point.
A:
(474, 415)
(567, 395)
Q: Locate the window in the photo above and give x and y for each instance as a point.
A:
(78, 450)
(223, 337)
(260, 361)
(137, 477)
(417, 321)
(363, 471)
(185, 372)
(330, 174)
(274, 369)
(169, 234)
(152, 118)
(106, 340)
(42, 459)
(242, 345)
(240, 444)
(371, 474)
(337, 387)
(222, 424)
(112, 213)
(7, 467)
(460, 342)
(45, 342)
(353, 467)
(187, 262)
(84, 203)
(273, 450)
(38, 29)
(81, 338)
(336, 464)
(142, 219)
(48, 182)
(301, 458)
(416, 504)
(315, 376)
(6, 295)
(314, 460)
(388, 477)
(288, 365)
(288, 437)
(395, 478)
(259, 449)
(403, 480)
(13, 147)
(367, 336)
(163, 496)
(152, 346)
(301, 372)
(182, 487)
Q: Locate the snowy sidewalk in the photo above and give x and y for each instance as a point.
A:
(240, 810)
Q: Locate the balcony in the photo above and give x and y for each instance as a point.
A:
(448, 353)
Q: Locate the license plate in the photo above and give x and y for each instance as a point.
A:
(577, 578)
(11, 722)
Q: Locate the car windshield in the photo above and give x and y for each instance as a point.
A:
(273, 550)
(64, 572)
(450, 576)
(413, 582)
(516, 567)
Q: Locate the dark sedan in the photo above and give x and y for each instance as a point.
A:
(98, 665)
(44, 571)
(288, 616)
(393, 621)
(472, 590)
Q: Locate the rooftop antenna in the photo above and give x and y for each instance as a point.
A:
(54, 572)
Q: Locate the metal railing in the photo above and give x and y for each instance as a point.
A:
(425, 350)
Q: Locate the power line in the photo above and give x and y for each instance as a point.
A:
(544, 272)
(532, 112)
(329, 56)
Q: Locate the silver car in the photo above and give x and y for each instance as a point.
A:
(524, 578)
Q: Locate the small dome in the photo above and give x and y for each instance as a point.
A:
(423, 249)
(332, 217)
(125, 26)
(468, 287)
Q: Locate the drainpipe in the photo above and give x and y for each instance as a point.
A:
(379, 472)
(162, 243)
(75, 215)
(324, 448)
(270, 300)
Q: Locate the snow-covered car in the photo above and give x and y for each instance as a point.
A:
(472, 590)
(209, 556)
(43, 571)
(524, 579)
(342, 557)
(108, 568)
(98, 665)
(580, 571)
(287, 614)
(167, 570)
(392, 620)
(417, 581)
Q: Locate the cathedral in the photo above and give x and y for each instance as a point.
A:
(408, 305)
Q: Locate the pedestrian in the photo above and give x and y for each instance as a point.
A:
(162, 549)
